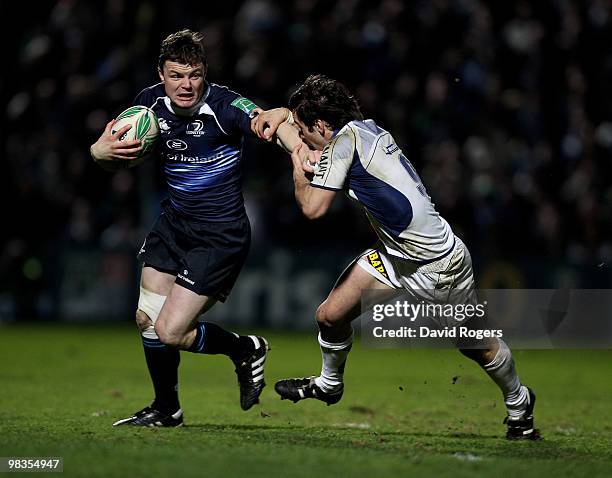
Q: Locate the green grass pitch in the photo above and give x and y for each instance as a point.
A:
(404, 413)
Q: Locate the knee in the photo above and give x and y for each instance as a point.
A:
(143, 321)
(167, 336)
(149, 308)
(327, 317)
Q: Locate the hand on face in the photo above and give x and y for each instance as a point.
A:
(307, 159)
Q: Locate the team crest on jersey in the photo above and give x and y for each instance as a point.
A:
(196, 128)
(376, 262)
(244, 104)
(392, 148)
(163, 125)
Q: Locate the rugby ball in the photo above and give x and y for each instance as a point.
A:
(144, 128)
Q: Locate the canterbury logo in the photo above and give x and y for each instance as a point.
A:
(376, 262)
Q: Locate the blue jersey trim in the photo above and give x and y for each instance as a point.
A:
(388, 205)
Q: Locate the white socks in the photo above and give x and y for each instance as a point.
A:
(502, 371)
(334, 358)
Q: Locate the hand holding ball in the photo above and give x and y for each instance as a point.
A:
(119, 147)
(144, 128)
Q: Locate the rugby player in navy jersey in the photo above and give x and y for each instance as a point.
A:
(196, 249)
(417, 250)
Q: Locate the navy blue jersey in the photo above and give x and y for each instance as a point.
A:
(202, 153)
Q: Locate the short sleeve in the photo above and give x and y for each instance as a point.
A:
(336, 159)
(238, 112)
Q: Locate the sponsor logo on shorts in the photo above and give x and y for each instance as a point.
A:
(182, 277)
(376, 262)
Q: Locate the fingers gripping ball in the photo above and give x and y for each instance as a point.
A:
(144, 128)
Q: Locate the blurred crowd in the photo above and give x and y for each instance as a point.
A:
(503, 107)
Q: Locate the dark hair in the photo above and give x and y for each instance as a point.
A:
(184, 46)
(320, 97)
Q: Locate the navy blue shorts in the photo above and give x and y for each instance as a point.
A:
(206, 257)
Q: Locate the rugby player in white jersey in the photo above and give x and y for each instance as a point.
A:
(417, 250)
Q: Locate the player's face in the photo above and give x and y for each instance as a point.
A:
(317, 136)
(184, 84)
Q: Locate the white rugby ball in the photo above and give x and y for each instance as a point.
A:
(144, 128)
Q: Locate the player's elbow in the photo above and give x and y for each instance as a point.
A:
(314, 203)
(313, 211)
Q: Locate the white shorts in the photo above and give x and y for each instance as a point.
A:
(449, 280)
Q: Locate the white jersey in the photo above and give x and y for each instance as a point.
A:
(364, 160)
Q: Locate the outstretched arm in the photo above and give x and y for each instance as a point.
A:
(266, 123)
(277, 124)
(287, 137)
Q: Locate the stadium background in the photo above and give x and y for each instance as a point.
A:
(503, 107)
